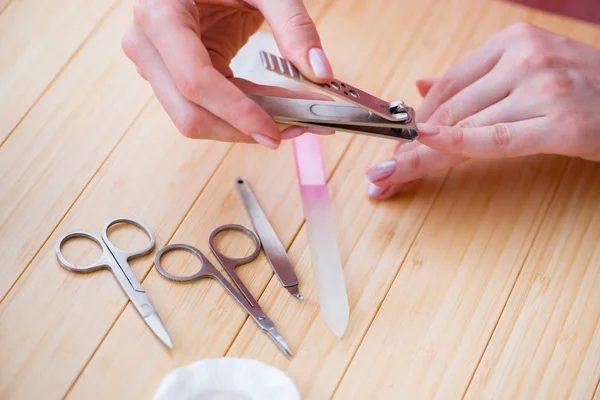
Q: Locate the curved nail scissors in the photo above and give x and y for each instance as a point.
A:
(117, 261)
(208, 270)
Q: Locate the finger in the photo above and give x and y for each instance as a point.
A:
(506, 110)
(411, 165)
(424, 84)
(468, 70)
(189, 118)
(510, 139)
(479, 95)
(402, 147)
(140, 73)
(387, 192)
(173, 31)
(297, 37)
(295, 131)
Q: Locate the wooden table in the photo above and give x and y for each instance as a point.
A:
(483, 282)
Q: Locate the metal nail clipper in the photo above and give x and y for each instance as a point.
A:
(366, 115)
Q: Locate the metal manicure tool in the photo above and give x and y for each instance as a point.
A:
(208, 270)
(117, 261)
(366, 115)
(272, 246)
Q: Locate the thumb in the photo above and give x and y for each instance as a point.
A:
(296, 36)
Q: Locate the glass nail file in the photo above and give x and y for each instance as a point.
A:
(327, 264)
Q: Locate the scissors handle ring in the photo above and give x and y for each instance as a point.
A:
(100, 264)
(205, 267)
(135, 223)
(237, 261)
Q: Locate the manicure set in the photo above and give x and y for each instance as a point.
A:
(366, 114)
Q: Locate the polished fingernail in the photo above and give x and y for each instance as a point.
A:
(265, 141)
(381, 171)
(428, 80)
(424, 85)
(321, 131)
(319, 63)
(293, 132)
(428, 130)
(376, 191)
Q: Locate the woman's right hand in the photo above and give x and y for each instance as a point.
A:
(184, 48)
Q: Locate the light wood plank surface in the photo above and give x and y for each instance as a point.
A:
(480, 282)
(547, 343)
(37, 40)
(62, 142)
(281, 174)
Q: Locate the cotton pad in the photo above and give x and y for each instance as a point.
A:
(227, 378)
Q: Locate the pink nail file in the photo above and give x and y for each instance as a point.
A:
(327, 265)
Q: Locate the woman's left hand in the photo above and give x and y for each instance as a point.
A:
(526, 91)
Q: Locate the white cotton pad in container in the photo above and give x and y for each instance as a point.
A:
(227, 378)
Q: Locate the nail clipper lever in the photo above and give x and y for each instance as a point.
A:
(367, 114)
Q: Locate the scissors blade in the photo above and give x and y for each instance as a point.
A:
(157, 326)
(138, 297)
(278, 340)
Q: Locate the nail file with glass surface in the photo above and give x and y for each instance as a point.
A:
(327, 265)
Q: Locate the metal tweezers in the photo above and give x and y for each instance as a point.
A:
(367, 115)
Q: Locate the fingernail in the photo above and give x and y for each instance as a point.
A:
(429, 80)
(381, 171)
(376, 191)
(293, 132)
(321, 131)
(265, 141)
(428, 130)
(319, 63)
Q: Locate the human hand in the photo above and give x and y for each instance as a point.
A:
(525, 91)
(184, 48)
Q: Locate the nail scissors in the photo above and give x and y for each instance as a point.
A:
(366, 115)
(117, 261)
(207, 270)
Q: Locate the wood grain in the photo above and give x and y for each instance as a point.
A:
(444, 304)
(583, 32)
(37, 42)
(53, 320)
(406, 357)
(62, 142)
(204, 343)
(371, 257)
(478, 282)
(547, 343)
(202, 319)
(421, 334)
(4, 4)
